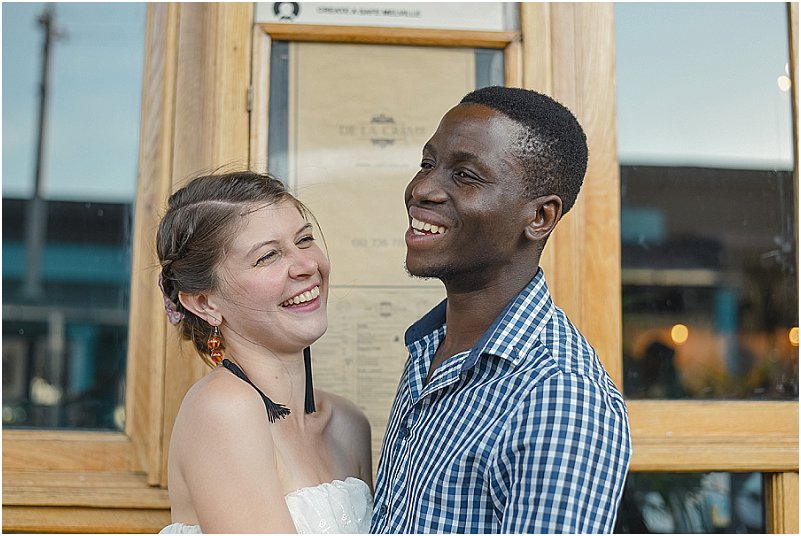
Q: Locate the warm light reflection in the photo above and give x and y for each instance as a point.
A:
(793, 336)
(679, 333)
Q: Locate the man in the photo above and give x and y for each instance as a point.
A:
(504, 420)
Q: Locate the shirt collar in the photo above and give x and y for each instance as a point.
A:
(431, 322)
(511, 333)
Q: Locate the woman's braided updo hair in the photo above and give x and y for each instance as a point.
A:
(201, 220)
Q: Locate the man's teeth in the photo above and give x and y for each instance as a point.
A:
(301, 298)
(418, 225)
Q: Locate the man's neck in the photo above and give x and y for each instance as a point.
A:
(471, 312)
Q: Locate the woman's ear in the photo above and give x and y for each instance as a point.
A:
(547, 211)
(201, 306)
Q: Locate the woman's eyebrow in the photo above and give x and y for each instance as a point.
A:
(260, 245)
(306, 226)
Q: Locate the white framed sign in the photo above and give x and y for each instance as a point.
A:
(476, 16)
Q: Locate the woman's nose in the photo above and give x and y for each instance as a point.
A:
(302, 264)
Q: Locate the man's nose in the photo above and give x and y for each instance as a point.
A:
(428, 188)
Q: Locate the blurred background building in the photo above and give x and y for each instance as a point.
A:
(680, 261)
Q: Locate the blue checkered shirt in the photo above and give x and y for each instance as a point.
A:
(525, 432)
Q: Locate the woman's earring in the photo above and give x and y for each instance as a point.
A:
(214, 343)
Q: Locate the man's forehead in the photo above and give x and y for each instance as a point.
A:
(477, 125)
(471, 116)
(489, 142)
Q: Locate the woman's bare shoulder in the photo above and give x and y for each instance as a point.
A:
(223, 446)
(220, 393)
(220, 408)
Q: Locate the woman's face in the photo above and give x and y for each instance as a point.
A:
(273, 283)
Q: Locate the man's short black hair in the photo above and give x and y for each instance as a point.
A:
(552, 146)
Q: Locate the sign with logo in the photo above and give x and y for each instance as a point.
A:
(477, 16)
(383, 130)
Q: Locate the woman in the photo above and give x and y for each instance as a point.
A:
(254, 448)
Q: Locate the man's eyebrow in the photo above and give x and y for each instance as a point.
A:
(457, 155)
(464, 155)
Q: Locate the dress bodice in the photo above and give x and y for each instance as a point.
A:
(341, 506)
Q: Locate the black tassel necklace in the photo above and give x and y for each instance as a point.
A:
(279, 411)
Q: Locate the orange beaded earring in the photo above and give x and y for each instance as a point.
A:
(214, 342)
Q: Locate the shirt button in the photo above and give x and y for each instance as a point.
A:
(382, 511)
(403, 432)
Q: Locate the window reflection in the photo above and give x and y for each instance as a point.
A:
(66, 270)
(691, 503)
(709, 262)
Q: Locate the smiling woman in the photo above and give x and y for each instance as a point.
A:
(240, 264)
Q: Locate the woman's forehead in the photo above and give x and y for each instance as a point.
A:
(271, 218)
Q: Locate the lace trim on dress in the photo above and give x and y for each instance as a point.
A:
(337, 507)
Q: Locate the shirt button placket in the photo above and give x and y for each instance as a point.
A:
(398, 487)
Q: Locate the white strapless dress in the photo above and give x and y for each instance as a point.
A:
(338, 507)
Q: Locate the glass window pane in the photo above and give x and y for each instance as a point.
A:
(67, 209)
(709, 262)
(691, 503)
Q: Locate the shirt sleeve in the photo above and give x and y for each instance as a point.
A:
(563, 458)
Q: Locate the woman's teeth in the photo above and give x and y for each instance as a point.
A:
(301, 298)
(418, 225)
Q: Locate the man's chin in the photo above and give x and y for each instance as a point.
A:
(428, 272)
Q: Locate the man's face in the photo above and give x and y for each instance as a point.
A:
(466, 205)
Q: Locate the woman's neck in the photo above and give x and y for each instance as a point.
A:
(281, 377)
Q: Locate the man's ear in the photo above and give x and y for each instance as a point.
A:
(546, 213)
(201, 306)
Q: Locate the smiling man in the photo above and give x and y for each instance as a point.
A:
(504, 419)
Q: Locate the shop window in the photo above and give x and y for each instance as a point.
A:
(709, 253)
(67, 234)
